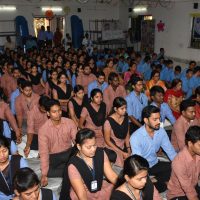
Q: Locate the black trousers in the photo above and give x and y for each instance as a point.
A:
(185, 198)
(162, 172)
(34, 144)
(133, 128)
(57, 162)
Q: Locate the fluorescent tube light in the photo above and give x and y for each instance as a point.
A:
(7, 8)
(55, 9)
(139, 9)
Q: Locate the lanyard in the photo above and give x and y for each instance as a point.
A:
(131, 193)
(91, 170)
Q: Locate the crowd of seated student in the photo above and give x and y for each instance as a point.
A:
(80, 119)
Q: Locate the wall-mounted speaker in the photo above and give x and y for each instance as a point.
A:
(130, 10)
(79, 10)
(195, 5)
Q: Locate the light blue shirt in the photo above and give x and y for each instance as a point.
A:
(194, 82)
(23, 163)
(144, 67)
(122, 66)
(165, 112)
(44, 75)
(147, 147)
(183, 73)
(73, 78)
(94, 84)
(13, 97)
(165, 74)
(41, 35)
(147, 73)
(49, 35)
(185, 84)
(135, 104)
(7, 134)
(174, 76)
(140, 66)
(100, 64)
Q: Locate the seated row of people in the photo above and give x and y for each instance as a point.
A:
(88, 171)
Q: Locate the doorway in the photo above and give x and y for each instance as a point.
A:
(56, 21)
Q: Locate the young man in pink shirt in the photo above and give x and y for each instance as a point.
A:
(36, 117)
(183, 184)
(187, 119)
(112, 91)
(85, 78)
(55, 140)
(24, 103)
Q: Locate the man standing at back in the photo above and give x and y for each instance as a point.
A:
(49, 37)
(41, 37)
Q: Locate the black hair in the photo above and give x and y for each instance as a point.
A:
(79, 65)
(24, 179)
(15, 68)
(192, 61)
(175, 82)
(154, 72)
(109, 60)
(61, 74)
(119, 102)
(158, 67)
(94, 92)
(161, 58)
(156, 89)
(52, 71)
(153, 66)
(86, 65)
(132, 165)
(186, 104)
(100, 73)
(43, 100)
(188, 71)
(72, 63)
(83, 135)
(197, 91)
(132, 63)
(192, 135)
(34, 65)
(148, 110)
(77, 88)
(26, 84)
(19, 81)
(178, 68)
(112, 76)
(2, 95)
(138, 55)
(196, 69)
(48, 61)
(4, 142)
(135, 79)
(147, 58)
(50, 103)
(169, 62)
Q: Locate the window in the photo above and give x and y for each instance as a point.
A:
(195, 33)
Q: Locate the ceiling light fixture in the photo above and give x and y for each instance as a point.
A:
(139, 9)
(7, 8)
(55, 9)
